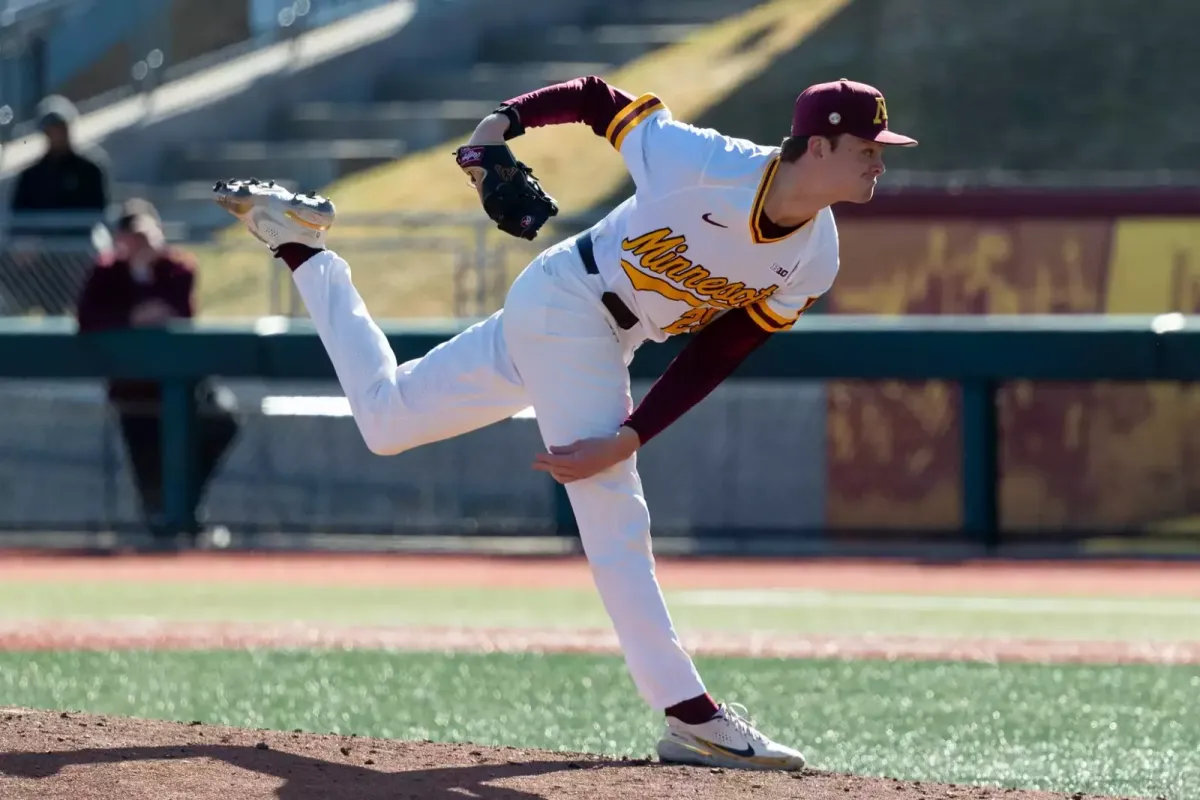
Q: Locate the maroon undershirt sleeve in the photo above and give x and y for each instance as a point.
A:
(708, 359)
(588, 100)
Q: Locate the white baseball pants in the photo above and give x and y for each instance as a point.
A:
(552, 347)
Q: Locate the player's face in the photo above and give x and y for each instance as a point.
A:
(855, 167)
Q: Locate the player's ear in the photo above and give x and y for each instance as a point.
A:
(824, 146)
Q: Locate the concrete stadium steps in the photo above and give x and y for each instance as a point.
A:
(413, 104)
(666, 12)
(1107, 88)
(483, 82)
(418, 125)
(616, 44)
(311, 164)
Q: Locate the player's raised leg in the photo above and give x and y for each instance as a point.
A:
(461, 385)
(574, 367)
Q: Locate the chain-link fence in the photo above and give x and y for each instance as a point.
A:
(45, 259)
(405, 265)
(44, 279)
(401, 276)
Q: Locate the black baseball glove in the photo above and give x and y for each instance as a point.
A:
(511, 196)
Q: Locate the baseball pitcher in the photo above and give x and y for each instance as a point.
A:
(723, 239)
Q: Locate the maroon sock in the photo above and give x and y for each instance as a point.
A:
(294, 254)
(695, 711)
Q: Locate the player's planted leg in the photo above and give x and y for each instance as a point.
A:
(574, 369)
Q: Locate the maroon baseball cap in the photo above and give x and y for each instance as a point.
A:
(845, 106)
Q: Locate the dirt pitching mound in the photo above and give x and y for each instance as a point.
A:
(67, 756)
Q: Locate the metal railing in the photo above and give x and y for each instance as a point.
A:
(309, 467)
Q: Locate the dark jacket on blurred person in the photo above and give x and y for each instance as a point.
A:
(144, 282)
(44, 262)
(64, 179)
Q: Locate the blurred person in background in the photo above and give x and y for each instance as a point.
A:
(43, 265)
(144, 282)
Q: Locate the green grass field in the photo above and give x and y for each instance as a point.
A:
(1155, 619)
(1122, 731)
(1128, 731)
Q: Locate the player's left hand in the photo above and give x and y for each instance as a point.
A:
(587, 457)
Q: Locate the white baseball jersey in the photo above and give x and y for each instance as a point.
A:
(687, 245)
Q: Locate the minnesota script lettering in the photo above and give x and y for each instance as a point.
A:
(661, 253)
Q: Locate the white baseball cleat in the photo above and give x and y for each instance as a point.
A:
(727, 740)
(275, 215)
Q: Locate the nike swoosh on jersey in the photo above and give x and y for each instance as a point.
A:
(712, 221)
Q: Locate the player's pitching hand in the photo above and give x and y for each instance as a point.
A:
(587, 457)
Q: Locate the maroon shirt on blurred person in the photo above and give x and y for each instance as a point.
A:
(115, 288)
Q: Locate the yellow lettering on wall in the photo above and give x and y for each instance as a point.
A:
(1154, 267)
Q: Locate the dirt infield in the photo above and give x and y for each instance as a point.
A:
(53, 756)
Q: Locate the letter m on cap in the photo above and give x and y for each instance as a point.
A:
(880, 111)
